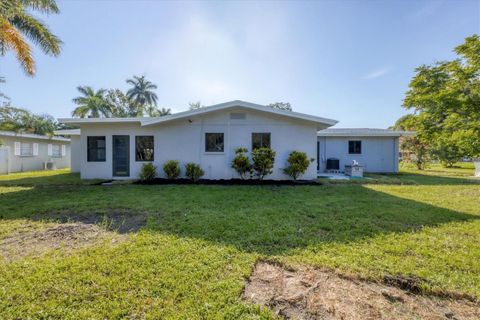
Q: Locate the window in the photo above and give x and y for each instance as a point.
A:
(355, 147)
(56, 151)
(96, 149)
(144, 148)
(260, 140)
(214, 142)
(26, 149)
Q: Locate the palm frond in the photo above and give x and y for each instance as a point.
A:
(38, 33)
(10, 38)
(44, 6)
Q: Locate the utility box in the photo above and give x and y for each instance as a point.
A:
(354, 171)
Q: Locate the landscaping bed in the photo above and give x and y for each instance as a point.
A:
(231, 182)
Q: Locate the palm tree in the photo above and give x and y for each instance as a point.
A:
(16, 23)
(91, 104)
(155, 112)
(142, 92)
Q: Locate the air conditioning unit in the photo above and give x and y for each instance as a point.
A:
(48, 165)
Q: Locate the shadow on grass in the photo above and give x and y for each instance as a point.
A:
(20, 179)
(269, 220)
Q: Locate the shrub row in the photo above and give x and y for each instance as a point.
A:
(171, 168)
(263, 160)
(260, 166)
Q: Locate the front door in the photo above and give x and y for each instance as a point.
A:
(121, 156)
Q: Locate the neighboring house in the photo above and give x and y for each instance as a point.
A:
(27, 152)
(116, 148)
(374, 149)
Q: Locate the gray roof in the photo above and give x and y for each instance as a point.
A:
(31, 136)
(362, 132)
(67, 132)
(323, 122)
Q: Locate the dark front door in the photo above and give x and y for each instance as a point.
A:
(121, 156)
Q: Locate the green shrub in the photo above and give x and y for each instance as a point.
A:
(193, 171)
(298, 163)
(263, 159)
(148, 172)
(241, 163)
(171, 169)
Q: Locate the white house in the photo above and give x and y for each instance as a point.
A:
(116, 148)
(27, 152)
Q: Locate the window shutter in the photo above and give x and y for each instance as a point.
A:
(35, 149)
(50, 150)
(64, 150)
(17, 148)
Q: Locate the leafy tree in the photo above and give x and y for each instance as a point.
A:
(446, 99)
(16, 23)
(21, 120)
(298, 163)
(415, 149)
(263, 160)
(91, 103)
(142, 92)
(158, 112)
(120, 105)
(241, 163)
(195, 105)
(281, 105)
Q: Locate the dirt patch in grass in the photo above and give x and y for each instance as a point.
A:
(119, 221)
(314, 294)
(64, 236)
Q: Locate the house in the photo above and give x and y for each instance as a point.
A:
(116, 148)
(375, 149)
(27, 152)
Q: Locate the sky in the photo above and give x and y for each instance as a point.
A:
(350, 61)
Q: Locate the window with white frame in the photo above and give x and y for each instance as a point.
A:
(26, 149)
(56, 151)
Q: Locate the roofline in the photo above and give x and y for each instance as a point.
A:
(99, 120)
(385, 133)
(240, 103)
(67, 132)
(31, 136)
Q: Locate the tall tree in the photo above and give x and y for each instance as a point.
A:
(142, 92)
(281, 105)
(195, 105)
(21, 120)
(16, 23)
(446, 98)
(91, 103)
(158, 112)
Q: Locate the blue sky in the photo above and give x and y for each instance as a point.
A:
(347, 60)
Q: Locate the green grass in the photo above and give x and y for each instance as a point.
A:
(201, 242)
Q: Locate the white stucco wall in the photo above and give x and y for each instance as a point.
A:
(75, 153)
(379, 154)
(30, 163)
(185, 141)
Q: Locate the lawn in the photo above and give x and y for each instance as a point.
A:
(199, 243)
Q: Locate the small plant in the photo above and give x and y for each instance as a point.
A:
(171, 169)
(298, 163)
(263, 160)
(241, 163)
(148, 172)
(193, 171)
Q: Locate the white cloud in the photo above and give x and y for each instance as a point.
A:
(376, 73)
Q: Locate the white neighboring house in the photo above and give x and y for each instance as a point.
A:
(27, 152)
(116, 148)
(375, 149)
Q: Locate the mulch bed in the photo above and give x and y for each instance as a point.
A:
(232, 182)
